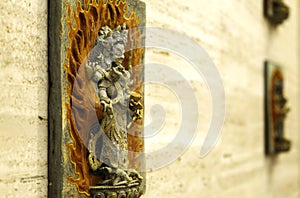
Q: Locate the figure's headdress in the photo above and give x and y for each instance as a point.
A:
(118, 35)
(104, 49)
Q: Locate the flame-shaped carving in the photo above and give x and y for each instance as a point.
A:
(84, 23)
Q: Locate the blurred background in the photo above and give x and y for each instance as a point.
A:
(238, 39)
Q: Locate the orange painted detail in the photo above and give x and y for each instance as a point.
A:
(276, 111)
(84, 23)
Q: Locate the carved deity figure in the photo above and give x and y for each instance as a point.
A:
(280, 111)
(108, 149)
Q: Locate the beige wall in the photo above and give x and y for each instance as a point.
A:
(237, 38)
(23, 98)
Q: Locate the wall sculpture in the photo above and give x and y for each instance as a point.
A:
(96, 75)
(276, 11)
(275, 110)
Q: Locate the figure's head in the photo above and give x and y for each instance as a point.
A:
(113, 42)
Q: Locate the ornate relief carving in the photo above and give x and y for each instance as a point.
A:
(108, 145)
(105, 112)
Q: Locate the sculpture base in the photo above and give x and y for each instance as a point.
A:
(130, 191)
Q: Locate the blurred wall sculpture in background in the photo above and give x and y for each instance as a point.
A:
(276, 11)
(276, 110)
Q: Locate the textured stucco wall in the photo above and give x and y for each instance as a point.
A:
(237, 38)
(23, 98)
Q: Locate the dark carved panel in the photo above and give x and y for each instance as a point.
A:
(276, 11)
